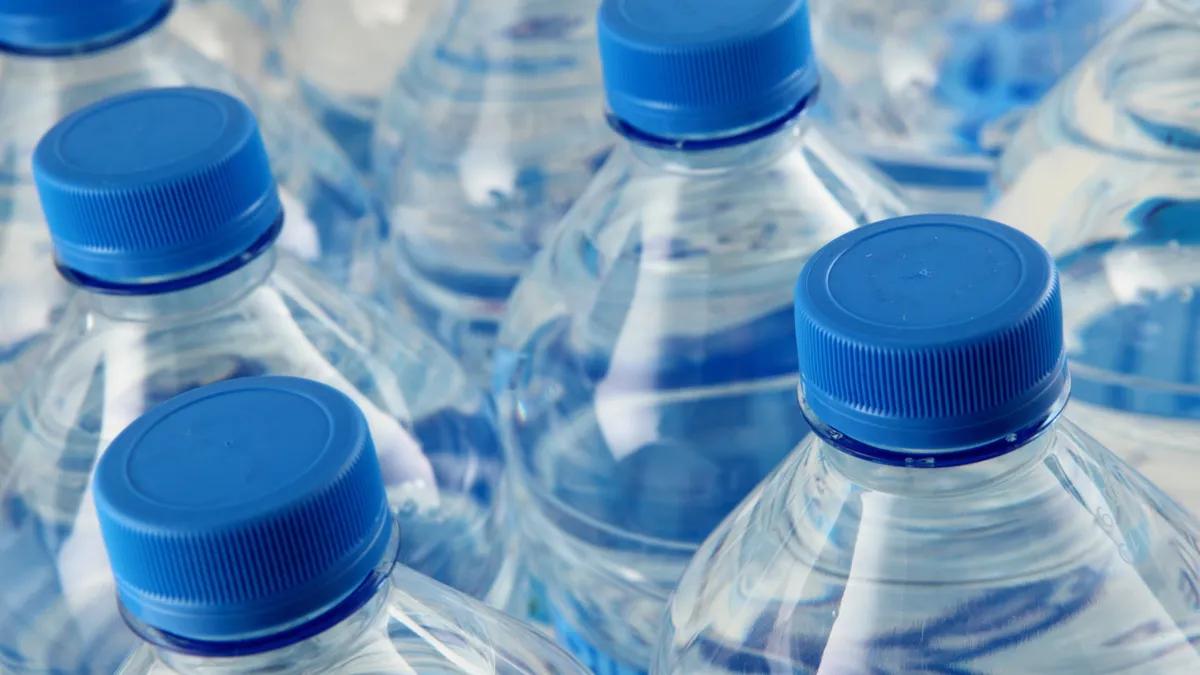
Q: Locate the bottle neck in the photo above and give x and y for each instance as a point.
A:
(737, 155)
(166, 298)
(716, 155)
(311, 644)
(50, 88)
(942, 482)
(923, 472)
(319, 653)
(549, 47)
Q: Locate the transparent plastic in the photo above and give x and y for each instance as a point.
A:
(1129, 104)
(1052, 557)
(115, 356)
(646, 372)
(492, 130)
(411, 625)
(932, 90)
(240, 34)
(345, 56)
(1104, 174)
(331, 221)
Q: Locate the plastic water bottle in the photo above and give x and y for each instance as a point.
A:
(1104, 173)
(645, 374)
(165, 219)
(943, 518)
(345, 56)
(240, 34)
(59, 55)
(492, 130)
(248, 530)
(932, 90)
(1126, 108)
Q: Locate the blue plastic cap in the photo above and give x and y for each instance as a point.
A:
(155, 184)
(242, 507)
(931, 332)
(35, 25)
(697, 68)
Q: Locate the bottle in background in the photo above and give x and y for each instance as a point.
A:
(932, 90)
(345, 56)
(646, 372)
(1104, 174)
(491, 131)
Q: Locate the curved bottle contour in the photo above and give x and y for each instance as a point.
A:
(412, 625)
(1127, 260)
(345, 56)
(1017, 564)
(1103, 174)
(199, 501)
(1005, 542)
(239, 34)
(114, 357)
(933, 93)
(1126, 107)
(646, 371)
(330, 218)
(491, 131)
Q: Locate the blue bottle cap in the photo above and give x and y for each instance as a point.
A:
(931, 332)
(242, 507)
(71, 25)
(688, 68)
(155, 184)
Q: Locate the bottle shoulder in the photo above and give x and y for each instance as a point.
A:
(723, 242)
(1042, 552)
(421, 625)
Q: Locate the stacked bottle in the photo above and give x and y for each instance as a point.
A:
(345, 55)
(492, 130)
(645, 373)
(933, 91)
(60, 55)
(165, 217)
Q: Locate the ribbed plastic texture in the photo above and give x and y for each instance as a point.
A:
(930, 332)
(155, 184)
(32, 25)
(678, 69)
(242, 507)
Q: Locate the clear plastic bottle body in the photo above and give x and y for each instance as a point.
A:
(1053, 557)
(491, 131)
(1103, 173)
(932, 90)
(411, 625)
(331, 223)
(1127, 106)
(240, 34)
(345, 55)
(646, 373)
(115, 356)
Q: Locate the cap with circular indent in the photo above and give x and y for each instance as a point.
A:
(242, 507)
(694, 68)
(932, 332)
(155, 184)
(34, 25)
